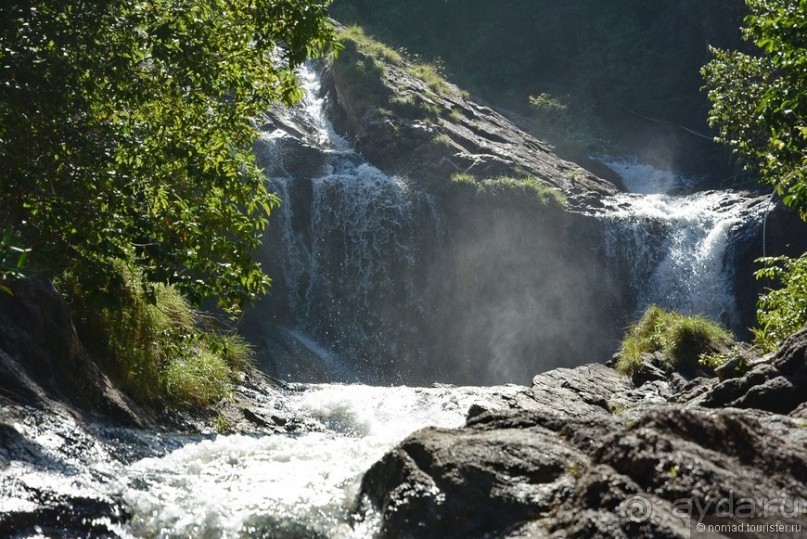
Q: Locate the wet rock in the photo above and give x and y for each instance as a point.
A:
(249, 415)
(586, 453)
(65, 518)
(440, 483)
(736, 365)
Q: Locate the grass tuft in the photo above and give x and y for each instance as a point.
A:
(197, 379)
(525, 189)
(148, 339)
(370, 46)
(431, 74)
(682, 340)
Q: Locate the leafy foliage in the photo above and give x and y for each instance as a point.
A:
(682, 340)
(781, 311)
(759, 101)
(125, 133)
(546, 104)
(12, 260)
(759, 104)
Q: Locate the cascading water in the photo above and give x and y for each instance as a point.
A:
(291, 485)
(673, 250)
(349, 237)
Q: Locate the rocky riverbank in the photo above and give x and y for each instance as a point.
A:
(585, 452)
(65, 428)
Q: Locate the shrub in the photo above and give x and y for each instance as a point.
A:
(546, 104)
(526, 190)
(147, 338)
(682, 340)
(12, 260)
(781, 311)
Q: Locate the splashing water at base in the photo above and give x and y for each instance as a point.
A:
(302, 485)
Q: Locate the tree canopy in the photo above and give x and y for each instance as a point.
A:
(759, 101)
(125, 132)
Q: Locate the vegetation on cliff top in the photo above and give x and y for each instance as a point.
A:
(369, 70)
(519, 190)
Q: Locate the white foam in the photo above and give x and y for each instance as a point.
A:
(673, 248)
(638, 177)
(276, 486)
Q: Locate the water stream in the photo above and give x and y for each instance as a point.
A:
(302, 485)
(356, 253)
(350, 235)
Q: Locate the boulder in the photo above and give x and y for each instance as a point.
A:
(586, 453)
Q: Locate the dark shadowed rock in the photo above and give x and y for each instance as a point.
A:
(468, 483)
(43, 363)
(777, 384)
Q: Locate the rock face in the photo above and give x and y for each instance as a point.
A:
(414, 124)
(585, 453)
(777, 385)
(43, 363)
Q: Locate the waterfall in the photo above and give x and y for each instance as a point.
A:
(350, 236)
(674, 250)
(352, 248)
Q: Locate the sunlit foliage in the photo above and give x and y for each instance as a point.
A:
(125, 133)
(759, 101)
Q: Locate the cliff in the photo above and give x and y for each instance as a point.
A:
(408, 120)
